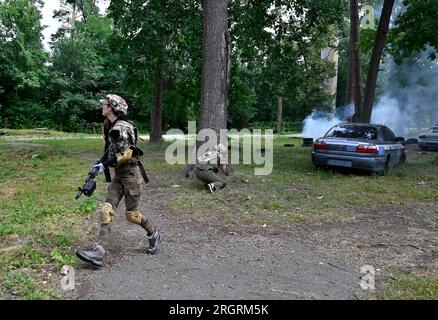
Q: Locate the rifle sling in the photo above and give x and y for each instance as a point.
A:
(143, 171)
(107, 174)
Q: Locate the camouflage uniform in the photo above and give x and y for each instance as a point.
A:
(207, 170)
(125, 182)
(120, 140)
(209, 173)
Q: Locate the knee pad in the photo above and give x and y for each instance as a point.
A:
(134, 216)
(106, 213)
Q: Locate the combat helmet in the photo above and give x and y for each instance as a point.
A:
(219, 152)
(116, 102)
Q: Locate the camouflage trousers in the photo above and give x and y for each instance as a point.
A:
(125, 184)
(209, 176)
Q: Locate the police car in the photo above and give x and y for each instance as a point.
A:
(364, 146)
(429, 139)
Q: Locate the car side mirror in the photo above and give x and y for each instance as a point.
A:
(399, 139)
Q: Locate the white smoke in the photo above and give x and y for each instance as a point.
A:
(388, 113)
(406, 95)
(408, 104)
(319, 122)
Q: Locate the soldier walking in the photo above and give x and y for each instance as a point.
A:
(122, 154)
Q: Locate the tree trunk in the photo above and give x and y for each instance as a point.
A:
(279, 114)
(214, 87)
(373, 70)
(215, 71)
(84, 13)
(228, 39)
(73, 21)
(354, 67)
(156, 113)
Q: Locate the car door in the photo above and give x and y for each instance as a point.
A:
(384, 142)
(395, 148)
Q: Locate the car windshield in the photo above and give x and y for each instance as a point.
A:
(433, 130)
(353, 131)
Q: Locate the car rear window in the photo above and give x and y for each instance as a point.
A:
(354, 132)
(433, 130)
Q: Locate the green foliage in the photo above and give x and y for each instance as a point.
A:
(275, 51)
(76, 74)
(22, 61)
(63, 258)
(280, 44)
(415, 29)
(88, 206)
(85, 10)
(166, 45)
(24, 286)
(242, 98)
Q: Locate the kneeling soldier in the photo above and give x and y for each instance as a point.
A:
(212, 169)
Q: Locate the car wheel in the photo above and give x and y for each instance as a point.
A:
(384, 170)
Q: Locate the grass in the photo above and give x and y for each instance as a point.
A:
(410, 287)
(40, 222)
(22, 285)
(39, 219)
(296, 190)
(39, 133)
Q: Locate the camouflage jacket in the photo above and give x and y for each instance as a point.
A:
(121, 137)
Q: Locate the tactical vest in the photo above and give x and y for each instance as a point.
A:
(122, 136)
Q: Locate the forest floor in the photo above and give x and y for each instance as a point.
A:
(299, 233)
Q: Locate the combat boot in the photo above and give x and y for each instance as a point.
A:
(211, 187)
(94, 255)
(154, 241)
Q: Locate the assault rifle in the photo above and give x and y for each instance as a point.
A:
(89, 185)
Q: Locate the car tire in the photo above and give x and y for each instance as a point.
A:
(382, 172)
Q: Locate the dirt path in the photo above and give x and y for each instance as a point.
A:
(201, 262)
